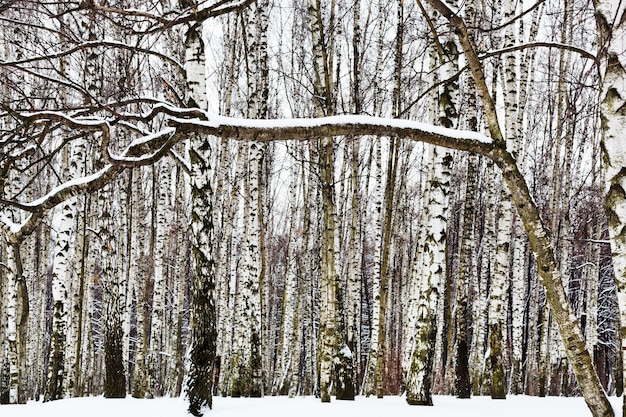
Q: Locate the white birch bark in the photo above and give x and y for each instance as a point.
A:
(520, 242)
(310, 275)
(227, 275)
(75, 352)
(612, 34)
(480, 304)
(164, 219)
(430, 275)
(14, 302)
(504, 234)
(255, 275)
(370, 386)
(289, 329)
(108, 245)
(226, 191)
(432, 250)
(355, 240)
(332, 365)
(12, 323)
(139, 252)
(248, 296)
(248, 375)
(61, 274)
(130, 271)
(202, 367)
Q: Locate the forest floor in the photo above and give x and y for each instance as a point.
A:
(514, 406)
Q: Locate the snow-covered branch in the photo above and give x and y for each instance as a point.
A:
(142, 151)
(149, 148)
(314, 128)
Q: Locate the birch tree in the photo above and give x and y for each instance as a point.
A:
(432, 251)
(155, 125)
(331, 343)
(612, 31)
(248, 379)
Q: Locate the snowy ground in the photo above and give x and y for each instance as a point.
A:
(514, 406)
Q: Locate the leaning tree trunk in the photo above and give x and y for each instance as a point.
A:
(538, 236)
(612, 29)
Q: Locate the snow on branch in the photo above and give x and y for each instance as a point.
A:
(151, 147)
(314, 128)
(142, 151)
(127, 158)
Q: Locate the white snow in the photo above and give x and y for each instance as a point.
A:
(69, 184)
(345, 352)
(513, 406)
(215, 121)
(11, 226)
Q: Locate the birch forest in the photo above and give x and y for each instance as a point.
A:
(302, 197)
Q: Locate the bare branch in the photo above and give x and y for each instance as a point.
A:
(93, 44)
(529, 45)
(514, 18)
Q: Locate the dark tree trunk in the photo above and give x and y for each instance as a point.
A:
(114, 379)
(201, 373)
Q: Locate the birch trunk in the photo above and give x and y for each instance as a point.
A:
(612, 32)
(115, 379)
(355, 245)
(255, 243)
(143, 248)
(370, 386)
(286, 367)
(74, 380)
(202, 367)
(430, 275)
(15, 386)
(61, 274)
(389, 198)
(16, 304)
(466, 275)
(468, 272)
(164, 219)
(434, 247)
(182, 249)
(539, 238)
(334, 356)
(505, 226)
